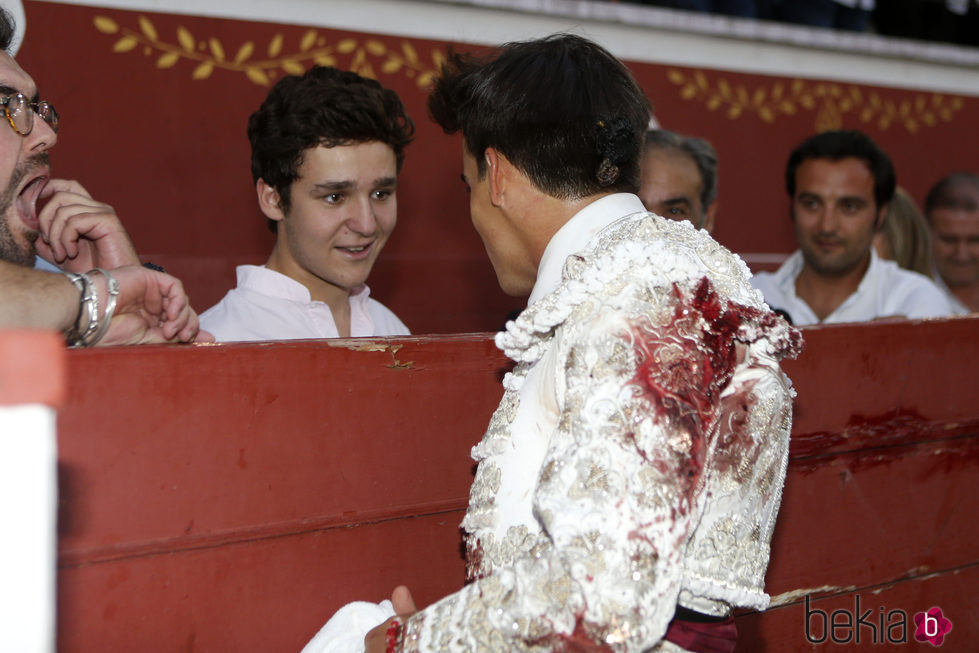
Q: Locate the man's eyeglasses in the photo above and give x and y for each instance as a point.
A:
(20, 113)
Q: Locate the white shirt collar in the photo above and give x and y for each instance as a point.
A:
(792, 267)
(576, 233)
(260, 279)
(790, 271)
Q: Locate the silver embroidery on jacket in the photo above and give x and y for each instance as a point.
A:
(657, 480)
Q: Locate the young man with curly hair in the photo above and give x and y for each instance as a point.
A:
(327, 148)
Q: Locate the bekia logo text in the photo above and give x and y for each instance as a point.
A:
(880, 626)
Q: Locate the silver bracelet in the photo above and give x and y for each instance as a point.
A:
(77, 280)
(110, 307)
(87, 303)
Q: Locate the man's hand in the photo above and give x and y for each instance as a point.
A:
(152, 307)
(78, 233)
(404, 607)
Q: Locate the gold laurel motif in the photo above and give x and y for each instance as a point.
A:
(830, 101)
(209, 55)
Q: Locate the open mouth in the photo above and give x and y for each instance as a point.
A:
(356, 250)
(27, 199)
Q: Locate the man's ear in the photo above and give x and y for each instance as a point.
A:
(709, 217)
(497, 168)
(881, 216)
(269, 201)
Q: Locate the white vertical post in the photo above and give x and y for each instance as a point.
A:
(28, 519)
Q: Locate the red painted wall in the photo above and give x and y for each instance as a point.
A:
(154, 111)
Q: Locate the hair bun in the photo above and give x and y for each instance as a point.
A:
(607, 173)
(614, 145)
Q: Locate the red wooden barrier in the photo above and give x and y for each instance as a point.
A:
(230, 497)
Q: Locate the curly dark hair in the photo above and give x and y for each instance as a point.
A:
(328, 107)
(562, 109)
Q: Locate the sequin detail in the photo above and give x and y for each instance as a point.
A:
(656, 479)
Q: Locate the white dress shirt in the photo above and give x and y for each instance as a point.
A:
(268, 305)
(886, 290)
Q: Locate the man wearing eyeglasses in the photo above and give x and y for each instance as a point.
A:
(105, 296)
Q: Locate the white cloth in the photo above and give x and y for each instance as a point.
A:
(345, 631)
(886, 290)
(267, 305)
(636, 459)
(958, 308)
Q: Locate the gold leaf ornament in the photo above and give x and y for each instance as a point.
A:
(148, 29)
(216, 48)
(203, 71)
(167, 60)
(308, 40)
(209, 54)
(275, 45)
(125, 44)
(411, 55)
(105, 25)
(293, 67)
(258, 76)
(245, 51)
(438, 58)
(185, 38)
(831, 102)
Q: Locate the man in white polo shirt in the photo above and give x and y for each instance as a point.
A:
(327, 148)
(840, 183)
